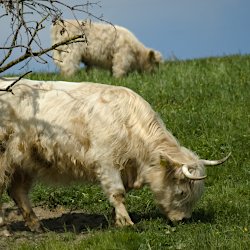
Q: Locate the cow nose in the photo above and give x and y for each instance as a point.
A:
(174, 223)
(176, 216)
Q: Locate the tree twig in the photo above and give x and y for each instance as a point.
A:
(28, 54)
(9, 87)
(25, 29)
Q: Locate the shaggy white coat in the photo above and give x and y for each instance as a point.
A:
(110, 47)
(64, 131)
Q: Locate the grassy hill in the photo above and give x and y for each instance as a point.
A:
(205, 103)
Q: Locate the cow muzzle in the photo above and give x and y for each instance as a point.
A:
(177, 216)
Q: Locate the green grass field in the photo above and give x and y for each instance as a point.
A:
(205, 103)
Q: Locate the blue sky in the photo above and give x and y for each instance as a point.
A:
(184, 28)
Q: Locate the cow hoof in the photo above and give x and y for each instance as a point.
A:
(40, 230)
(2, 223)
(123, 222)
(36, 228)
(5, 233)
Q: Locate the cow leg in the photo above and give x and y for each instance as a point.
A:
(113, 187)
(1, 206)
(120, 64)
(4, 231)
(18, 190)
(1, 213)
(71, 62)
(121, 215)
(88, 67)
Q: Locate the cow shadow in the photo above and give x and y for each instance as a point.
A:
(203, 216)
(198, 216)
(68, 222)
(78, 222)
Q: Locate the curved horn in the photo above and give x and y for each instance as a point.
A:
(186, 172)
(215, 163)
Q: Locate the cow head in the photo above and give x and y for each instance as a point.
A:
(150, 61)
(178, 188)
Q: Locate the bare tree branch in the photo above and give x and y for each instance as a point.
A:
(12, 46)
(9, 87)
(28, 54)
(27, 18)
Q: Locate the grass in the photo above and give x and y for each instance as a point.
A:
(206, 104)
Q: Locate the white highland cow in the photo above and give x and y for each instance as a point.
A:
(59, 132)
(110, 47)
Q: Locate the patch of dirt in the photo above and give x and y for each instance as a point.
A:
(59, 220)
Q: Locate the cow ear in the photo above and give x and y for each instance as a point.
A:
(167, 161)
(163, 161)
(151, 56)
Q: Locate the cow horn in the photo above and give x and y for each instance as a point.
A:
(216, 162)
(186, 172)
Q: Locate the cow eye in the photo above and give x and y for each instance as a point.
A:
(181, 193)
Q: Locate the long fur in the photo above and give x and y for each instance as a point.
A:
(64, 131)
(110, 47)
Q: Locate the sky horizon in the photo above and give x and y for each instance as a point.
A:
(185, 29)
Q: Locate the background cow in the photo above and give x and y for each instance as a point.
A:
(59, 132)
(110, 47)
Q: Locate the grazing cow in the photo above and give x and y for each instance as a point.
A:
(110, 47)
(63, 131)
